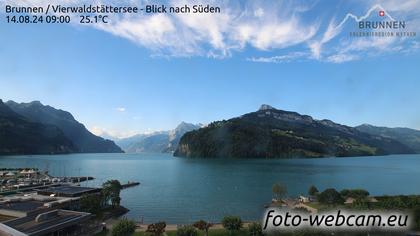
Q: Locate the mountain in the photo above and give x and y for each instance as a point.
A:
(151, 142)
(162, 141)
(408, 137)
(176, 134)
(85, 141)
(272, 133)
(19, 135)
(126, 143)
(108, 136)
(154, 142)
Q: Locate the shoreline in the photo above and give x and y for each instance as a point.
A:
(169, 227)
(202, 158)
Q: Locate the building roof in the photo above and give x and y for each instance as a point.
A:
(6, 218)
(68, 191)
(350, 200)
(22, 206)
(27, 171)
(44, 223)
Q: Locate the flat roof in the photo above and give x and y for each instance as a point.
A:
(22, 206)
(6, 218)
(68, 190)
(53, 221)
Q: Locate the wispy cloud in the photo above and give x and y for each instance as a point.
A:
(270, 28)
(341, 58)
(280, 58)
(283, 31)
(263, 26)
(120, 109)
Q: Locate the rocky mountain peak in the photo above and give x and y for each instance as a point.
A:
(264, 107)
(38, 103)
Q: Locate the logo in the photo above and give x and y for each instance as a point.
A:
(381, 13)
(382, 25)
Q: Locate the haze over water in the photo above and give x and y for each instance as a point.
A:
(180, 190)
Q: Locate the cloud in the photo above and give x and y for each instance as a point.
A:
(96, 130)
(271, 27)
(120, 109)
(267, 26)
(259, 12)
(341, 58)
(407, 6)
(276, 31)
(107, 133)
(280, 58)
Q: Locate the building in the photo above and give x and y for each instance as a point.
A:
(68, 191)
(41, 215)
(20, 208)
(303, 199)
(351, 200)
(41, 212)
(55, 222)
(10, 174)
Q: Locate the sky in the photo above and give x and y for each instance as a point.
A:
(148, 72)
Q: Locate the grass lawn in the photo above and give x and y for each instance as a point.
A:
(323, 207)
(315, 205)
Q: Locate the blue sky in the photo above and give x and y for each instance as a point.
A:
(150, 72)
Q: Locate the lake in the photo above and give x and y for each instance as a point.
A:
(180, 190)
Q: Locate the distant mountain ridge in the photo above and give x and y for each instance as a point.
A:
(160, 142)
(83, 140)
(34, 128)
(409, 137)
(19, 135)
(273, 133)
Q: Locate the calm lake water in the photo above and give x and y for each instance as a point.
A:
(181, 190)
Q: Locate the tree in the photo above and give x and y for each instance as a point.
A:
(186, 230)
(330, 196)
(115, 201)
(279, 190)
(232, 223)
(124, 228)
(156, 229)
(255, 229)
(111, 191)
(360, 204)
(312, 191)
(91, 203)
(203, 225)
(354, 193)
